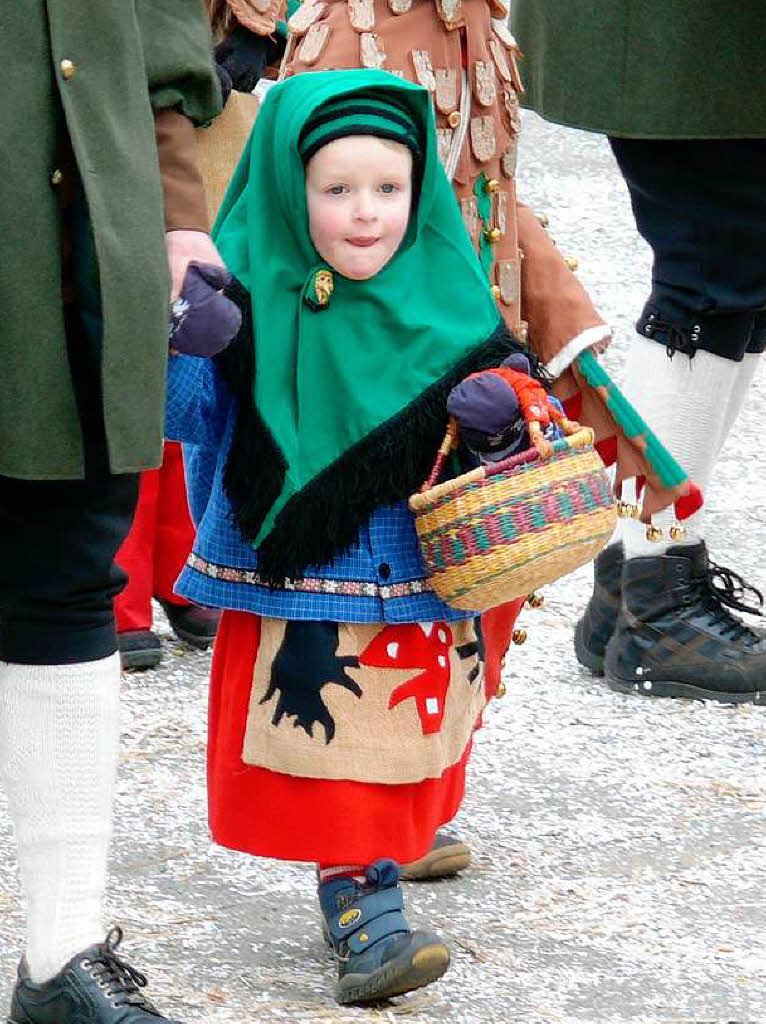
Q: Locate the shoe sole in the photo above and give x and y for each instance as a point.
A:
(437, 864)
(133, 660)
(194, 639)
(409, 971)
(586, 657)
(684, 691)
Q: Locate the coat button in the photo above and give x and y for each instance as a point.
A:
(384, 570)
(68, 68)
(57, 177)
(454, 119)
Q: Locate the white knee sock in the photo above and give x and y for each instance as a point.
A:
(690, 404)
(59, 736)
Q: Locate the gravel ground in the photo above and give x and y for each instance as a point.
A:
(617, 840)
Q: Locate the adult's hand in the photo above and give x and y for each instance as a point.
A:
(183, 247)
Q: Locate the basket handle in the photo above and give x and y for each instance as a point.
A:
(449, 442)
(579, 439)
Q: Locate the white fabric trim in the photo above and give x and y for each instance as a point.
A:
(572, 349)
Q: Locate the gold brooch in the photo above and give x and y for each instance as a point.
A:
(323, 287)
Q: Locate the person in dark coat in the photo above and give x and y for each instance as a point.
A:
(681, 98)
(102, 210)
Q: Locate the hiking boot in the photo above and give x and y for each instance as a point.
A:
(594, 630)
(676, 636)
(446, 857)
(378, 954)
(139, 649)
(197, 626)
(95, 987)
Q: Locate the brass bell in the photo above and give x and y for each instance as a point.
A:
(501, 690)
(535, 600)
(653, 533)
(495, 292)
(519, 637)
(572, 262)
(493, 234)
(543, 219)
(677, 532)
(491, 185)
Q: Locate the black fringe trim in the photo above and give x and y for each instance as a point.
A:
(255, 468)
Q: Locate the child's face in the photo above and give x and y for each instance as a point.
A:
(358, 193)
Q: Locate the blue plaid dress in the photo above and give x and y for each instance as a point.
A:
(380, 578)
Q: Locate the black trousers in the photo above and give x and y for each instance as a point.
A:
(58, 539)
(701, 206)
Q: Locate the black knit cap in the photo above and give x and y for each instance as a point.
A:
(366, 113)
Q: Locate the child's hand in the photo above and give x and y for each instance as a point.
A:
(202, 319)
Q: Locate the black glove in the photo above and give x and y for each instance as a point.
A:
(244, 55)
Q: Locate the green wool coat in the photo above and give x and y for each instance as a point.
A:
(95, 70)
(675, 69)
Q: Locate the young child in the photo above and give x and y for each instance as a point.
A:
(344, 694)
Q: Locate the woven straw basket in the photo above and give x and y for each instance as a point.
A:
(500, 531)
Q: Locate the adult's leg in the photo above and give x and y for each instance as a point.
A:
(133, 606)
(174, 541)
(687, 373)
(59, 683)
(59, 677)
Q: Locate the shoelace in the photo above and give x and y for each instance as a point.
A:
(116, 976)
(677, 339)
(725, 589)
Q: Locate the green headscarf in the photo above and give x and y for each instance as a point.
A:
(349, 396)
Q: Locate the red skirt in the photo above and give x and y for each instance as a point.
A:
(269, 814)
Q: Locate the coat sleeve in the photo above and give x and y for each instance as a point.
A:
(184, 91)
(178, 55)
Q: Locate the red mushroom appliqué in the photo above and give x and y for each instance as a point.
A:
(425, 647)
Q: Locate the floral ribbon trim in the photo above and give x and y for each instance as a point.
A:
(310, 585)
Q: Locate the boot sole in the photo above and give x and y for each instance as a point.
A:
(437, 864)
(586, 657)
(200, 641)
(138, 660)
(409, 971)
(687, 691)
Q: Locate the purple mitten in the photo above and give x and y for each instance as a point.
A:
(202, 319)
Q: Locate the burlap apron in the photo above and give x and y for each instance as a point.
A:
(367, 703)
(467, 60)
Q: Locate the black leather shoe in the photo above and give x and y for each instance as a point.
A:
(95, 987)
(676, 635)
(139, 649)
(197, 626)
(594, 630)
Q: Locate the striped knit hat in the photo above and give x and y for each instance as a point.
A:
(367, 113)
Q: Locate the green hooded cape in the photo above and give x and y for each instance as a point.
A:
(349, 397)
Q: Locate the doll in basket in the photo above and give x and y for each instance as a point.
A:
(344, 693)
(504, 410)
